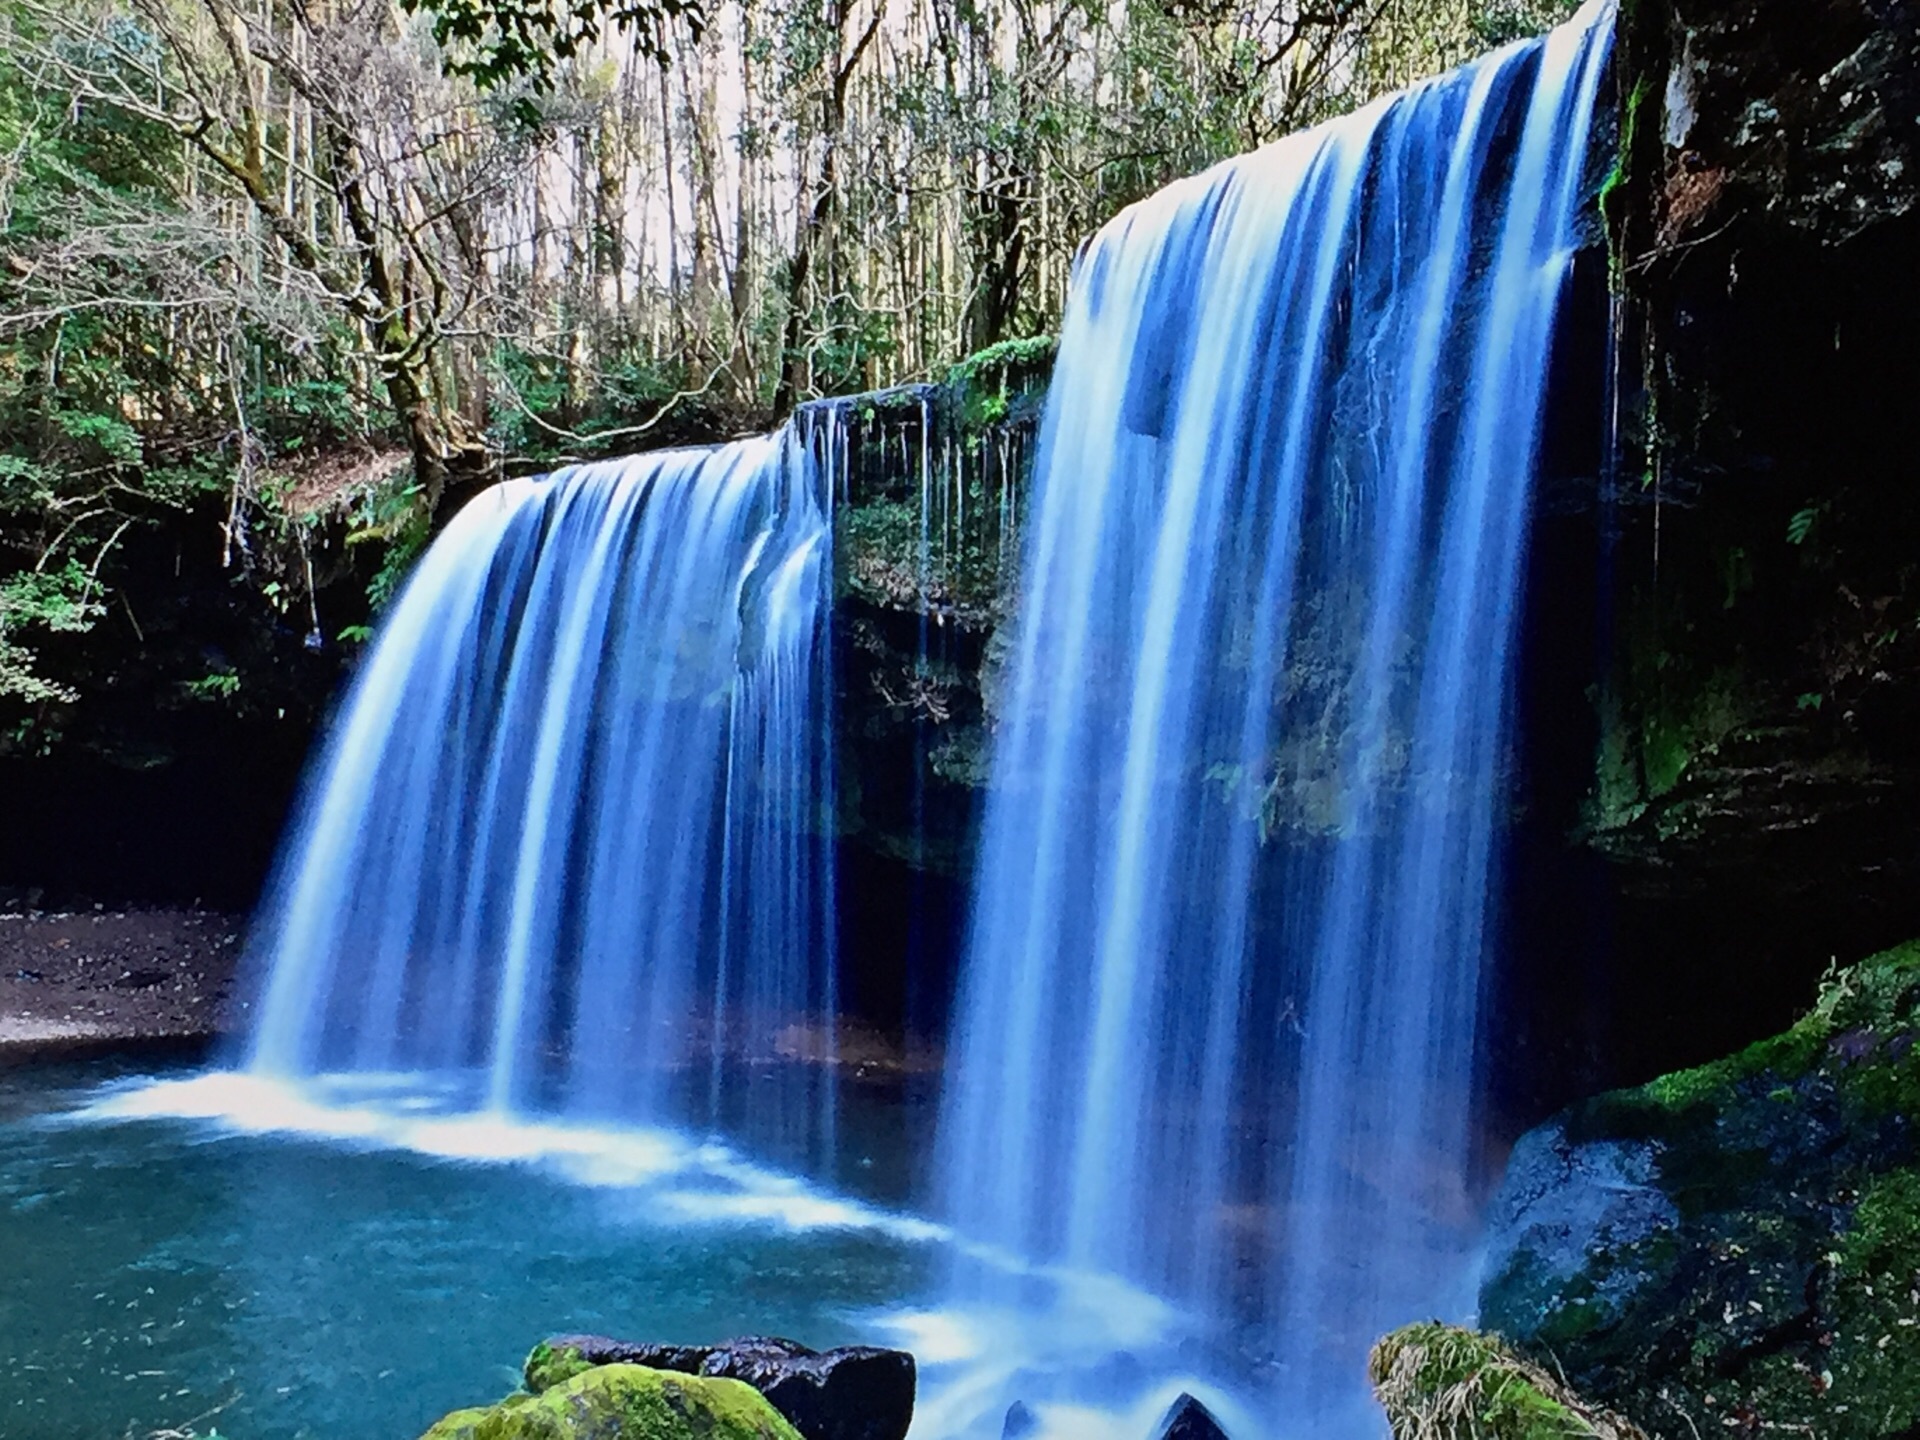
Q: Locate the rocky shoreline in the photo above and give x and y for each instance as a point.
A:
(89, 980)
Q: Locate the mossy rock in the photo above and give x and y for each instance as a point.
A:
(549, 1365)
(1736, 1246)
(624, 1402)
(1438, 1382)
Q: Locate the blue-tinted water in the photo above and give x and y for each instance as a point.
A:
(1212, 1101)
(166, 1271)
(220, 1252)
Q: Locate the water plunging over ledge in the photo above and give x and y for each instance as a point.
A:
(562, 880)
(564, 852)
(1218, 1026)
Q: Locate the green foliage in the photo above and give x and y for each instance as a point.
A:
(497, 43)
(1634, 126)
(146, 382)
(548, 409)
(59, 600)
(1501, 22)
(397, 518)
(109, 435)
(1007, 359)
(220, 685)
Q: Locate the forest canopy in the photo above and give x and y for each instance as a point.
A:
(263, 261)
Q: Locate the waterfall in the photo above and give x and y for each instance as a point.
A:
(564, 853)
(1220, 1011)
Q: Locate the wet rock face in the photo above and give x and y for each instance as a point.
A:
(1765, 213)
(855, 1393)
(1561, 1200)
(1806, 108)
(1736, 1248)
(1749, 749)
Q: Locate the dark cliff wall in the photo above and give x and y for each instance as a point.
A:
(1751, 801)
(930, 497)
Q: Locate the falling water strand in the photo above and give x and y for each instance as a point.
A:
(1219, 1020)
(565, 841)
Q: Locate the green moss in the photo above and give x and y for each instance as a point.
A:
(1871, 1074)
(983, 387)
(1615, 191)
(1437, 1382)
(460, 1425)
(1643, 52)
(547, 1367)
(1876, 1360)
(1883, 1240)
(1025, 354)
(1784, 1057)
(879, 554)
(625, 1402)
(1666, 718)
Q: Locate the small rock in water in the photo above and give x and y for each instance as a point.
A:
(1189, 1420)
(1021, 1422)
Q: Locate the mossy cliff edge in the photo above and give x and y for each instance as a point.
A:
(1735, 1248)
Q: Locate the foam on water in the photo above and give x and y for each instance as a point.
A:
(1056, 1352)
(685, 1179)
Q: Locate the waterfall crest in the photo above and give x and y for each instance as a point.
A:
(565, 852)
(1219, 1017)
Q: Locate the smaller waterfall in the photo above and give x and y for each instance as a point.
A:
(565, 853)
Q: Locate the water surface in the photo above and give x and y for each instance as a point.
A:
(171, 1270)
(354, 1258)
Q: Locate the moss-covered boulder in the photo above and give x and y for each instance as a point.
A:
(554, 1362)
(624, 1402)
(1438, 1382)
(857, 1392)
(1736, 1248)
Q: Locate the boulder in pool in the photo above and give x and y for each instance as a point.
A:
(624, 1402)
(854, 1393)
(1735, 1249)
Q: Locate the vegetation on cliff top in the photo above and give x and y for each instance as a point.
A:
(276, 277)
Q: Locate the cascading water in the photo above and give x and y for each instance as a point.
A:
(564, 853)
(1218, 1023)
